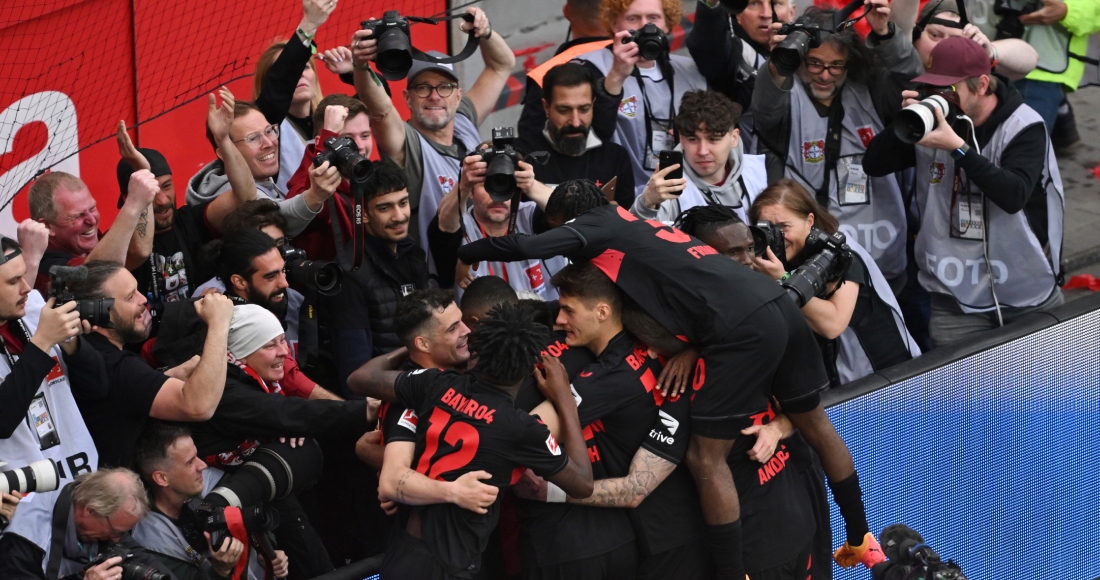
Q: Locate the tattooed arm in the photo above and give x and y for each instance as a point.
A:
(647, 471)
(400, 483)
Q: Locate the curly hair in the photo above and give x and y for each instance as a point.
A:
(507, 343)
(574, 197)
(861, 62)
(711, 110)
(703, 220)
(611, 10)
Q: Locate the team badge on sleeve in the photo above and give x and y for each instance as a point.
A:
(552, 445)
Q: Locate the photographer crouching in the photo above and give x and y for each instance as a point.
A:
(988, 191)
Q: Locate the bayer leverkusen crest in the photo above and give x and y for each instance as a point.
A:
(935, 172)
(629, 106)
(813, 151)
(446, 183)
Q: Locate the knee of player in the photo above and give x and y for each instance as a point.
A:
(702, 458)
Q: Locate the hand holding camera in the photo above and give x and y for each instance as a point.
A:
(226, 556)
(878, 16)
(626, 55)
(106, 570)
(57, 324)
(943, 136)
(480, 25)
(324, 179)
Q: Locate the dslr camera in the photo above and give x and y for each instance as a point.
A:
(97, 312)
(830, 260)
(652, 42)
(40, 476)
(909, 557)
(919, 119)
(194, 521)
(1010, 12)
(343, 154)
(394, 57)
(801, 37)
(131, 570)
(324, 277)
(503, 159)
(768, 235)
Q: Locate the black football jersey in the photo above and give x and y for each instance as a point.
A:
(397, 422)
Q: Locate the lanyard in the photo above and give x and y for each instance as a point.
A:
(669, 77)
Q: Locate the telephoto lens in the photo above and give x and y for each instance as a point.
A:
(41, 476)
(919, 119)
(788, 55)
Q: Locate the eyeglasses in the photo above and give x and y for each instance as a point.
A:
(253, 139)
(425, 90)
(114, 532)
(834, 69)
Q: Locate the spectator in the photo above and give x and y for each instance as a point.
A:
(42, 372)
(575, 151)
(718, 227)
(329, 235)
(247, 163)
(507, 344)
(361, 315)
(98, 511)
(730, 49)
(64, 204)
(442, 130)
(798, 121)
(716, 169)
(254, 409)
(285, 87)
(648, 92)
(170, 467)
(460, 222)
(988, 251)
(188, 392)
(859, 325)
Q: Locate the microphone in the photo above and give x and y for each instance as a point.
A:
(897, 540)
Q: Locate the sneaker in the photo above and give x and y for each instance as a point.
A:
(1064, 136)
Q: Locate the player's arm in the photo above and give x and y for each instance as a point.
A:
(556, 242)
(576, 478)
(377, 376)
(768, 437)
(399, 482)
(647, 471)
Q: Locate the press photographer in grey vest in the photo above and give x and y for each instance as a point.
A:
(989, 195)
(643, 77)
(45, 366)
(817, 109)
(442, 128)
(715, 168)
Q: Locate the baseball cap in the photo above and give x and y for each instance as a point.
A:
(953, 60)
(934, 7)
(157, 164)
(420, 66)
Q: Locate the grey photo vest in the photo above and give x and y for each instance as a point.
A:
(530, 274)
(1023, 272)
(630, 129)
(440, 176)
(878, 222)
(292, 148)
(851, 360)
(74, 454)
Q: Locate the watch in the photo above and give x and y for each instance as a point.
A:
(961, 152)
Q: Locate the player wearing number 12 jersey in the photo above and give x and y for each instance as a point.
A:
(468, 422)
(754, 346)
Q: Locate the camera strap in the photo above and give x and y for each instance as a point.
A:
(832, 147)
(472, 41)
(358, 234)
(60, 522)
(648, 117)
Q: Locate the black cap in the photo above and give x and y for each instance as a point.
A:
(157, 164)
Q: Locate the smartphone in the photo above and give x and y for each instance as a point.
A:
(668, 158)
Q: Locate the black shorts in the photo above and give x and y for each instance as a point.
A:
(689, 562)
(798, 568)
(408, 557)
(772, 352)
(618, 564)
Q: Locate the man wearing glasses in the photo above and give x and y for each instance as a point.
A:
(813, 124)
(442, 128)
(990, 198)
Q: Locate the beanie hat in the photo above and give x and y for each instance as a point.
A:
(252, 327)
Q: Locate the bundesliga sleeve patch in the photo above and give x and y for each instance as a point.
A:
(552, 445)
(408, 420)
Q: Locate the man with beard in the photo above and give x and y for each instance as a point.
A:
(186, 393)
(361, 316)
(814, 122)
(575, 152)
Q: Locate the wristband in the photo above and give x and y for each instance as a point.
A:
(784, 277)
(554, 494)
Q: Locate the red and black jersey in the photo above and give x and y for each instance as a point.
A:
(397, 422)
(466, 424)
(683, 283)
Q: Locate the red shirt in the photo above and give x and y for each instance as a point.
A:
(317, 239)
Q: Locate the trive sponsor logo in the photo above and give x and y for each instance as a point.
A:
(659, 437)
(467, 406)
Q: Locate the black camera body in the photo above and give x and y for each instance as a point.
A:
(324, 277)
(789, 54)
(830, 260)
(910, 557)
(394, 57)
(131, 570)
(97, 312)
(768, 235)
(1010, 13)
(503, 160)
(343, 154)
(210, 518)
(652, 42)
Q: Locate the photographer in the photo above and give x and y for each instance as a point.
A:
(814, 121)
(442, 128)
(45, 367)
(169, 465)
(715, 166)
(460, 223)
(990, 198)
(648, 91)
(858, 323)
(729, 49)
(188, 392)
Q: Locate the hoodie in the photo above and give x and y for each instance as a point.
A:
(746, 171)
(211, 181)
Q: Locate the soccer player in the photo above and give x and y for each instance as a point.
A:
(470, 423)
(754, 343)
